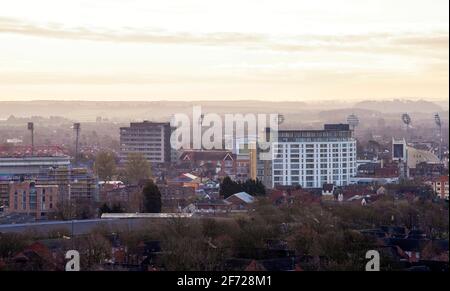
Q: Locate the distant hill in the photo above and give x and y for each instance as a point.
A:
(294, 112)
(397, 106)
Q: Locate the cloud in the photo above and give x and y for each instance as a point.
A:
(382, 42)
(14, 26)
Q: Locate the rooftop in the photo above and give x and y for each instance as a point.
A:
(22, 151)
(244, 196)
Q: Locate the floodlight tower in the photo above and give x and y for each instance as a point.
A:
(280, 119)
(353, 121)
(76, 128)
(406, 120)
(437, 120)
(31, 129)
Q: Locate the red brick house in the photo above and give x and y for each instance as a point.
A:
(241, 201)
(440, 187)
(211, 163)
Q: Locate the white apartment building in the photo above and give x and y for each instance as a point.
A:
(310, 158)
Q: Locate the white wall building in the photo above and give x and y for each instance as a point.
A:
(310, 158)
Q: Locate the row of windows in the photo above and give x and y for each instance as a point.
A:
(312, 172)
(323, 179)
(142, 150)
(322, 150)
(308, 184)
(313, 145)
(312, 166)
(322, 160)
(124, 140)
(32, 200)
(142, 143)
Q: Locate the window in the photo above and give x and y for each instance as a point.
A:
(24, 200)
(16, 200)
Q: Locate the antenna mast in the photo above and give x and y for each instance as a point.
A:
(31, 129)
(76, 128)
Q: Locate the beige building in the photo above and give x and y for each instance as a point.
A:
(33, 199)
(416, 156)
(151, 139)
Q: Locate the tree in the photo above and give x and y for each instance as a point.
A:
(254, 187)
(115, 208)
(228, 187)
(152, 197)
(94, 250)
(137, 168)
(11, 243)
(105, 165)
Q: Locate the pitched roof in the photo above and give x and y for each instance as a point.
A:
(255, 266)
(190, 176)
(244, 196)
(328, 187)
(212, 202)
(207, 155)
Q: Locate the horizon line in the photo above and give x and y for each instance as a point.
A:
(429, 99)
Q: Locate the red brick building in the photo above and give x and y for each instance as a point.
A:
(33, 199)
(440, 187)
(211, 163)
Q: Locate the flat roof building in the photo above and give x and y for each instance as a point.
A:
(151, 139)
(311, 158)
(33, 199)
(31, 165)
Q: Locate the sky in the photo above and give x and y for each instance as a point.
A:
(272, 50)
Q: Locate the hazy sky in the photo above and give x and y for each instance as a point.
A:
(234, 49)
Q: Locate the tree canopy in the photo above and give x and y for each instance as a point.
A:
(105, 165)
(137, 168)
(152, 198)
(229, 187)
